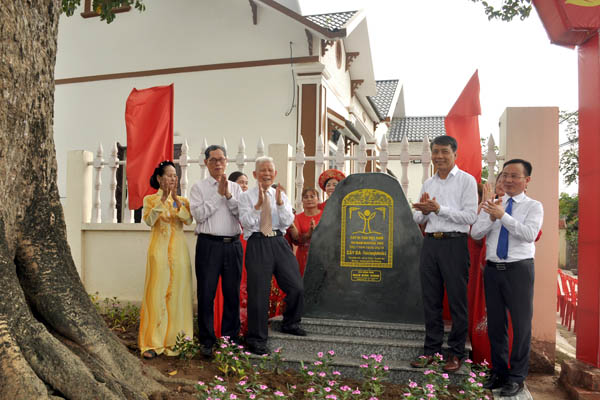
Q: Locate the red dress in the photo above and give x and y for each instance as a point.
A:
(302, 222)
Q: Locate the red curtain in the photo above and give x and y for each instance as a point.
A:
(149, 122)
(462, 123)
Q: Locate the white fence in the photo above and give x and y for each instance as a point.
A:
(340, 160)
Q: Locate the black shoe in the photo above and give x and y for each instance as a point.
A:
(258, 349)
(494, 381)
(511, 389)
(297, 331)
(206, 350)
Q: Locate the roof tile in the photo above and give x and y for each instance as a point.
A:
(415, 128)
(331, 21)
(382, 100)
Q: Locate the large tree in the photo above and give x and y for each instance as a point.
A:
(52, 340)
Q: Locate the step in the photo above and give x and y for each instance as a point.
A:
(400, 372)
(367, 329)
(346, 346)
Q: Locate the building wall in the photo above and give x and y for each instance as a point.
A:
(247, 103)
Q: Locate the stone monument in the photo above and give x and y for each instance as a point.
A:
(363, 262)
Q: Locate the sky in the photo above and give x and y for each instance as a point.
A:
(434, 46)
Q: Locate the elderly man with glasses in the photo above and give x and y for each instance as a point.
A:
(214, 205)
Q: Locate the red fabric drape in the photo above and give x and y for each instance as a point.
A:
(149, 122)
(462, 123)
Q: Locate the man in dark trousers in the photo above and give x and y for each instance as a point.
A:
(265, 214)
(511, 225)
(447, 208)
(214, 205)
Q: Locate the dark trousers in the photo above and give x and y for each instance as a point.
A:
(445, 262)
(510, 290)
(265, 257)
(213, 259)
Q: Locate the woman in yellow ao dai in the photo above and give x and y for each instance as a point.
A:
(167, 304)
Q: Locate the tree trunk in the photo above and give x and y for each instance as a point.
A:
(52, 340)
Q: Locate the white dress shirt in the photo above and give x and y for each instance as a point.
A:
(281, 216)
(457, 197)
(214, 214)
(523, 227)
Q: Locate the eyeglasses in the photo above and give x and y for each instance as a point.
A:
(217, 160)
(514, 177)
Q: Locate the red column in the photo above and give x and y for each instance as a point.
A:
(588, 310)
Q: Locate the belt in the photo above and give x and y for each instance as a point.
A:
(445, 235)
(502, 266)
(224, 239)
(262, 235)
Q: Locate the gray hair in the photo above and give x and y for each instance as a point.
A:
(261, 160)
(214, 147)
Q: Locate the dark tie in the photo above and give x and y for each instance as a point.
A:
(502, 249)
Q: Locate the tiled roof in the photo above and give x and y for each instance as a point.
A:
(382, 100)
(415, 128)
(332, 21)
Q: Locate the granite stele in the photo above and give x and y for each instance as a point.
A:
(363, 262)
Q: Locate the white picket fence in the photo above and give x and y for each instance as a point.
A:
(241, 160)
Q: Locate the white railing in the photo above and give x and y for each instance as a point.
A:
(340, 160)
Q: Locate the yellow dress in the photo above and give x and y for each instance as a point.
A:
(167, 303)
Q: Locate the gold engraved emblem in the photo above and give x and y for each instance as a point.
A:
(367, 229)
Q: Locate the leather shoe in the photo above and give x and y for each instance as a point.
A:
(297, 331)
(511, 389)
(452, 364)
(258, 349)
(494, 381)
(206, 350)
(421, 361)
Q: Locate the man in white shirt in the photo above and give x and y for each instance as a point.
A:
(511, 225)
(265, 214)
(447, 207)
(214, 205)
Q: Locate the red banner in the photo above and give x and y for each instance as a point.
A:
(462, 123)
(149, 122)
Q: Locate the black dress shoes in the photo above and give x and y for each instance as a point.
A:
(258, 349)
(494, 381)
(297, 331)
(511, 389)
(206, 351)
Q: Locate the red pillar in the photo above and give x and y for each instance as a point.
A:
(588, 310)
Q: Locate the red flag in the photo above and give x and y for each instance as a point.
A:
(149, 122)
(462, 124)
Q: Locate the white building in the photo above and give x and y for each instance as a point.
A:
(241, 70)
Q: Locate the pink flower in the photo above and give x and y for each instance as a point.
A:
(331, 352)
(262, 387)
(336, 373)
(279, 394)
(412, 384)
(310, 390)
(320, 354)
(322, 374)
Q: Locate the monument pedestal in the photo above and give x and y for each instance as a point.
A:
(398, 343)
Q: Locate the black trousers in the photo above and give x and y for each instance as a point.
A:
(213, 259)
(445, 262)
(265, 257)
(510, 290)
